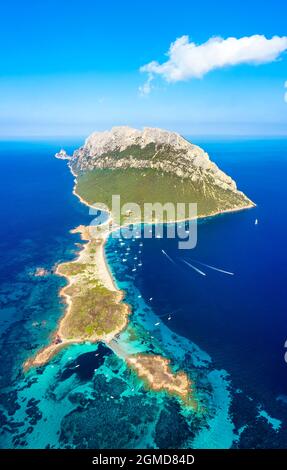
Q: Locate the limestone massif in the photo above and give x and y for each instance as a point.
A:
(163, 153)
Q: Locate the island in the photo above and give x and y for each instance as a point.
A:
(150, 165)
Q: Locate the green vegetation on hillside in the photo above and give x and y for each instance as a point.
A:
(149, 185)
(134, 151)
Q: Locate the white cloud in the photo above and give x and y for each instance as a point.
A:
(145, 89)
(188, 60)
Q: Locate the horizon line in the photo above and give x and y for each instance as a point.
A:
(35, 137)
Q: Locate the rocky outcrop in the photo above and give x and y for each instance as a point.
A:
(62, 155)
(148, 148)
(158, 149)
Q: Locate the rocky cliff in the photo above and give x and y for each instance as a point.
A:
(140, 164)
(124, 147)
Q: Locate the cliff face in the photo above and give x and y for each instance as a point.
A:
(124, 147)
(151, 165)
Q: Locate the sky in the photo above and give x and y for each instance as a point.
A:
(68, 68)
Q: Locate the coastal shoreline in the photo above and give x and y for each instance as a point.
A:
(106, 278)
(58, 339)
(180, 388)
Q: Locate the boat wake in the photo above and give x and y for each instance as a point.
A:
(214, 268)
(193, 267)
(168, 257)
(199, 271)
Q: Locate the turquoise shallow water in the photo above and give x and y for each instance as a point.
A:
(86, 396)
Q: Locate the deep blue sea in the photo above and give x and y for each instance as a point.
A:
(227, 332)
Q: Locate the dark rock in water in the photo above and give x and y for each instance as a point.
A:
(172, 429)
(100, 425)
(85, 364)
(33, 411)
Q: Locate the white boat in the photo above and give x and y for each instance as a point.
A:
(256, 222)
